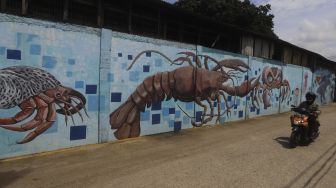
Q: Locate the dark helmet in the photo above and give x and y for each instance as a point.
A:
(310, 96)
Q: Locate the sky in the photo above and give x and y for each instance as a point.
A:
(310, 24)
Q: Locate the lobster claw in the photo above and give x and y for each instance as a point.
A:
(241, 90)
(234, 64)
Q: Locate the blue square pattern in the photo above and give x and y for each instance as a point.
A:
(177, 114)
(148, 54)
(71, 62)
(158, 62)
(49, 62)
(2, 50)
(171, 110)
(177, 126)
(91, 89)
(79, 84)
(134, 76)
(186, 120)
(78, 132)
(69, 74)
(189, 105)
(123, 66)
(14, 54)
(165, 111)
(145, 116)
(146, 68)
(156, 106)
(171, 123)
(110, 77)
(93, 102)
(115, 97)
(119, 54)
(222, 120)
(199, 116)
(156, 119)
(240, 114)
(129, 57)
(229, 98)
(35, 49)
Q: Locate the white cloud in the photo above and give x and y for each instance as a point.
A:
(310, 24)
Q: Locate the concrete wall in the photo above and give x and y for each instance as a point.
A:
(120, 73)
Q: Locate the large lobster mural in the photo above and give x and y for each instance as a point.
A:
(196, 82)
(271, 78)
(35, 89)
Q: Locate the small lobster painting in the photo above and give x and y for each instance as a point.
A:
(35, 89)
(196, 82)
(271, 78)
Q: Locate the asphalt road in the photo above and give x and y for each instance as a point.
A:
(251, 153)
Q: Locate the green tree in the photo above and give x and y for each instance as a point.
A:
(243, 14)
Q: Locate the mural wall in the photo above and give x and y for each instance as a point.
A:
(324, 85)
(49, 81)
(64, 86)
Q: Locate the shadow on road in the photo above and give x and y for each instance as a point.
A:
(284, 142)
(8, 177)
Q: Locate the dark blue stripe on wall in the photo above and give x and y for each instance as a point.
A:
(14, 54)
(78, 132)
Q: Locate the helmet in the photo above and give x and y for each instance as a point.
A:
(310, 96)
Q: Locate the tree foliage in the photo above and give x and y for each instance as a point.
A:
(243, 14)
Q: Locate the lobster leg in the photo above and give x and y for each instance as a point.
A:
(27, 109)
(205, 108)
(47, 122)
(218, 108)
(211, 112)
(228, 108)
(41, 107)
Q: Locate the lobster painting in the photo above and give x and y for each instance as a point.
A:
(271, 78)
(195, 83)
(35, 89)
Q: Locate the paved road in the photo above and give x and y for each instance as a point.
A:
(252, 153)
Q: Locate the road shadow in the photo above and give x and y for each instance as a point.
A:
(284, 142)
(8, 177)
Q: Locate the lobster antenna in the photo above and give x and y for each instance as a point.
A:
(184, 111)
(146, 51)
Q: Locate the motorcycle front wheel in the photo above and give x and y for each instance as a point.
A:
(294, 139)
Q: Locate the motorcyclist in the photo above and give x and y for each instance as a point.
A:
(311, 110)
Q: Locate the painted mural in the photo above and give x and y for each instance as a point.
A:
(294, 76)
(39, 59)
(34, 89)
(196, 82)
(324, 85)
(135, 85)
(271, 78)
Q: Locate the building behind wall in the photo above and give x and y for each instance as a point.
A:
(162, 20)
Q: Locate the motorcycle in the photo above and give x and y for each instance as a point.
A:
(299, 124)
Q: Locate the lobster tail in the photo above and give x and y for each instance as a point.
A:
(126, 119)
